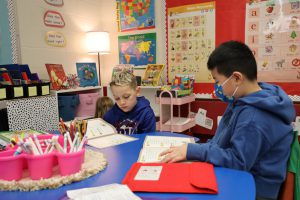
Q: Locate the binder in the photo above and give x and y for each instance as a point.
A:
(195, 177)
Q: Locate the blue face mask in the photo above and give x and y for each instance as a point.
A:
(219, 92)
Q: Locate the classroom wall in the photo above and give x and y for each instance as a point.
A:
(5, 45)
(80, 16)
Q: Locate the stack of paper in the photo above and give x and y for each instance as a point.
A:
(106, 192)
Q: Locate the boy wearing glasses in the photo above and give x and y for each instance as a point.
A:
(255, 133)
(131, 114)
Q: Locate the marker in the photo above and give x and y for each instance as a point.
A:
(57, 145)
(65, 143)
(18, 151)
(21, 144)
(69, 138)
(37, 142)
(34, 148)
(82, 142)
(74, 143)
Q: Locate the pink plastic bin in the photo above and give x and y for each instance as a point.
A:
(11, 167)
(40, 166)
(70, 163)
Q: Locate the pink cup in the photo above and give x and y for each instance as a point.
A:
(11, 167)
(40, 166)
(70, 163)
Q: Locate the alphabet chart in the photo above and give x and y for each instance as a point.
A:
(272, 31)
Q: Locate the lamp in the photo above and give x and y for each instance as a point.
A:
(98, 43)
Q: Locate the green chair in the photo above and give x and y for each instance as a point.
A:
(290, 189)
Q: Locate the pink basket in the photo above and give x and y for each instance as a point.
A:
(11, 167)
(40, 166)
(70, 163)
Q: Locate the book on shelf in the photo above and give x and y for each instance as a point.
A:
(87, 74)
(101, 134)
(57, 76)
(154, 145)
(152, 75)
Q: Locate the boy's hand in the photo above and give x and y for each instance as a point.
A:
(174, 154)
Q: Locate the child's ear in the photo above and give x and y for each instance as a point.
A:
(138, 89)
(238, 77)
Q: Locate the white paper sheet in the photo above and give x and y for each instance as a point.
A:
(106, 192)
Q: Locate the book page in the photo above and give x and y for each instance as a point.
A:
(151, 154)
(154, 145)
(166, 141)
(110, 140)
(106, 192)
(98, 127)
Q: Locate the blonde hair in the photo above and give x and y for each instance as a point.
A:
(103, 104)
(123, 78)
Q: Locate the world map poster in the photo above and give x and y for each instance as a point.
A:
(137, 49)
(136, 14)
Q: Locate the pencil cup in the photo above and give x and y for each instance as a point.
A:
(40, 166)
(70, 163)
(11, 167)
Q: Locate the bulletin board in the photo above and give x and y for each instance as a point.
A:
(230, 25)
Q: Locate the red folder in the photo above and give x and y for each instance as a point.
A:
(196, 177)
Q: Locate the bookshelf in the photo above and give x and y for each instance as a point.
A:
(78, 90)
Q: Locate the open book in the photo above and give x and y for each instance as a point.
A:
(154, 145)
(102, 134)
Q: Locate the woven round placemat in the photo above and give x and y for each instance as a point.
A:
(94, 162)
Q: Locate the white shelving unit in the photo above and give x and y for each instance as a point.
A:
(77, 90)
(167, 121)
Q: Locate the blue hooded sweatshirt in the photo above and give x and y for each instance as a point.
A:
(140, 119)
(255, 135)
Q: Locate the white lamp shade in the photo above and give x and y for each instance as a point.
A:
(98, 42)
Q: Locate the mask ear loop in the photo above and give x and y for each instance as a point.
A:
(226, 80)
(235, 91)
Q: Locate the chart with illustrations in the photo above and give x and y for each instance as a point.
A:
(191, 39)
(272, 31)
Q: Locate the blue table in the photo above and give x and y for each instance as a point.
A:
(232, 184)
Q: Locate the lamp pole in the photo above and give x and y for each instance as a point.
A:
(99, 68)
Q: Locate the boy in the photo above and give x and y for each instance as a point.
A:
(131, 114)
(255, 132)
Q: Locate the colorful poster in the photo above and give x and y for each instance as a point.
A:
(137, 49)
(273, 33)
(136, 14)
(191, 39)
